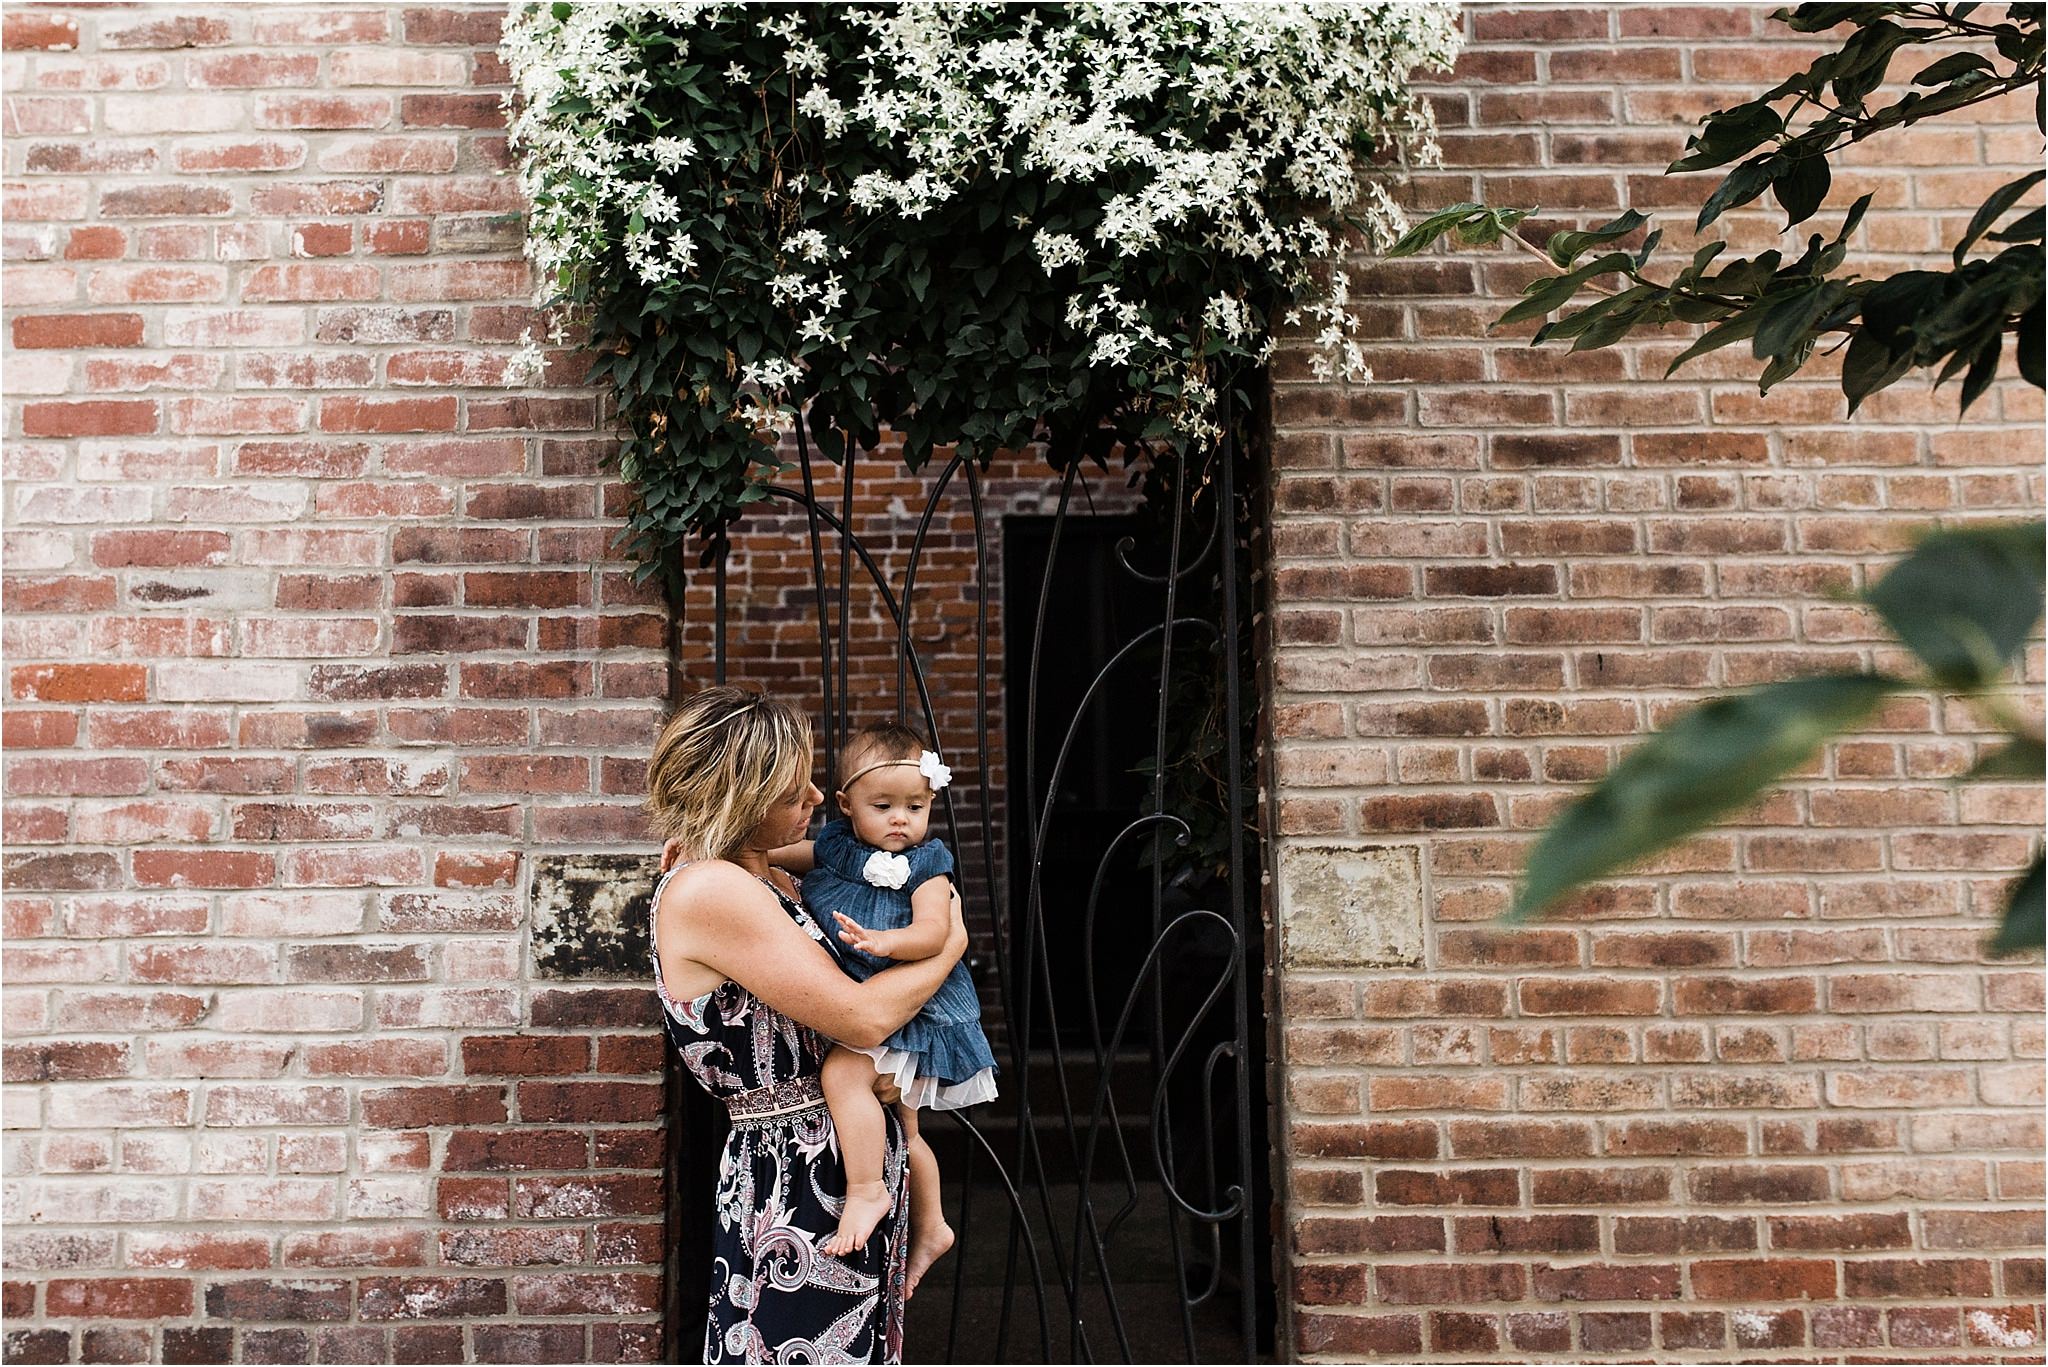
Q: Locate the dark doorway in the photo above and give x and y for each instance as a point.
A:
(1103, 780)
(1112, 1203)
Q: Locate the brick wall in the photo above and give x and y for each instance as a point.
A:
(1764, 1096)
(313, 650)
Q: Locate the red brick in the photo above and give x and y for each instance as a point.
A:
(1764, 1279)
(1375, 1234)
(1359, 1335)
(1598, 1186)
(1917, 1277)
(419, 1107)
(1528, 1234)
(1768, 1183)
(1453, 1284)
(525, 1056)
(77, 330)
(580, 1197)
(1588, 997)
(472, 1150)
(1846, 1232)
(387, 1298)
(118, 1297)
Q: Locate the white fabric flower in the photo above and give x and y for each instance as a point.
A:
(885, 870)
(937, 775)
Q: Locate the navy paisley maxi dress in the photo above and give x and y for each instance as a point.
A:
(775, 1297)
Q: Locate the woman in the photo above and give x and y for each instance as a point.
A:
(753, 999)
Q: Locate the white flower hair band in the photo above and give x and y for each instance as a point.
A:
(936, 773)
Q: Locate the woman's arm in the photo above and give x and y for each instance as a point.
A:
(931, 918)
(720, 916)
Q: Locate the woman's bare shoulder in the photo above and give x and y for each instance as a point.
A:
(712, 884)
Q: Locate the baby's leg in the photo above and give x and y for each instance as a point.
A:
(930, 1235)
(848, 1080)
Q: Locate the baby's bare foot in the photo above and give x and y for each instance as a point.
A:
(927, 1246)
(866, 1204)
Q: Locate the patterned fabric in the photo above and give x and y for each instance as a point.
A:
(940, 1058)
(774, 1296)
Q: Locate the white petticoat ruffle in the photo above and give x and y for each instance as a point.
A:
(928, 1093)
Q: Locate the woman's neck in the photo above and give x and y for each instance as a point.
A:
(753, 861)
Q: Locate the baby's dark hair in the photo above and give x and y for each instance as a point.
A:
(878, 741)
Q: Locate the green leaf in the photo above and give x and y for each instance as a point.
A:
(1871, 364)
(1983, 369)
(2003, 198)
(1951, 66)
(2026, 757)
(1462, 217)
(1739, 328)
(1728, 134)
(1801, 187)
(2022, 928)
(2025, 228)
(1743, 184)
(2031, 327)
(1861, 66)
(1965, 600)
(1546, 293)
(1490, 227)
(1707, 764)
(1616, 322)
(1788, 323)
(1815, 18)
(1564, 248)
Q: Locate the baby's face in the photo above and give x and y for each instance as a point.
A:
(889, 808)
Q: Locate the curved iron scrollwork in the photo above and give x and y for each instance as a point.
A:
(1129, 1206)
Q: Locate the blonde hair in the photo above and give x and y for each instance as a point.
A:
(722, 760)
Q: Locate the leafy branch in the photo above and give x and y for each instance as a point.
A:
(1956, 319)
(1965, 601)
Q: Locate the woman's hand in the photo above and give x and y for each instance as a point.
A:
(956, 935)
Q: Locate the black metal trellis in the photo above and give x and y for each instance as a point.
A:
(1150, 1122)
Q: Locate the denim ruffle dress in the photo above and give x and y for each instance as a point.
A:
(940, 1058)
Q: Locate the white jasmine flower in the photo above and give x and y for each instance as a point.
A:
(789, 288)
(769, 373)
(1112, 350)
(810, 244)
(1056, 250)
(671, 153)
(1273, 100)
(819, 104)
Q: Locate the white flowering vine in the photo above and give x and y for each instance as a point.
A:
(974, 223)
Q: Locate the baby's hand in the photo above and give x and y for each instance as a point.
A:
(875, 942)
(670, 852)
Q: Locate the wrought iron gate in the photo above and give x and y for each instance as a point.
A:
(1112, 1205)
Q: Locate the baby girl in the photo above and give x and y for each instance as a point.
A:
(888, 888)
